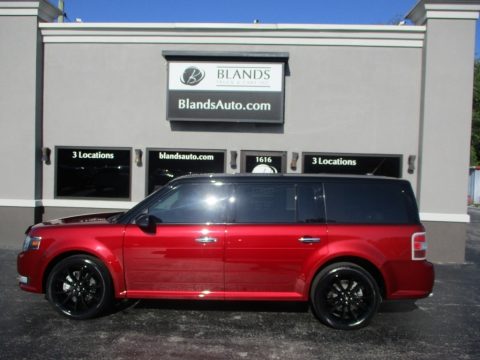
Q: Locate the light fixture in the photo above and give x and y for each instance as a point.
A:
(293, 163)
(411, 163)
(138, 157)
(233, 159)
(46, 152)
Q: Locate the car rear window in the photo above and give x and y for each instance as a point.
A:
(370, 203)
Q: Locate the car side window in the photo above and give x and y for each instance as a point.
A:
(310, 204)
(367, 203)
(195, 203)
(278, 203)
(264, 203)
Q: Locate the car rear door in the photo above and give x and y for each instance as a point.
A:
(276, 235)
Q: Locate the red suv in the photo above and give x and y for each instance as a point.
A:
(341, 243)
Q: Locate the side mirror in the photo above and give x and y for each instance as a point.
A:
(147, 223)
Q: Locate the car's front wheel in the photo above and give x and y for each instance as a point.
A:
(345, 296)
(79, 287)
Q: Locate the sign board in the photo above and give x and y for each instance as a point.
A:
(225, 91)
(327, 163)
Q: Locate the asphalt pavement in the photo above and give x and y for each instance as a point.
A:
(444, 326)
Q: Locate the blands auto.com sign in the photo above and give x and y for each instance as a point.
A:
(231, 92)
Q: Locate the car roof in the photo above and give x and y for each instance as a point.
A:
(248, 177)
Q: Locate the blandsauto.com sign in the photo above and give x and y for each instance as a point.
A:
(231, 92)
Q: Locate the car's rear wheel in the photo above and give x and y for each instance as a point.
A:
(345, 296)
(79, 287)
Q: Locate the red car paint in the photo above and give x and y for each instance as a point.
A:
(235, 261)
(248, 262)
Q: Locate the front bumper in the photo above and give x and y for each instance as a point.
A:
(28, 268)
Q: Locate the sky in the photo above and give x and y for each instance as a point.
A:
(243, 11)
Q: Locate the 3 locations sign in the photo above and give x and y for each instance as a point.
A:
(382, 165)
(227, 91)
(164, 165)
(93, 173)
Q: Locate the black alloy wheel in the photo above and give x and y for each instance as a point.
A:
(79, 287)
(345, 296)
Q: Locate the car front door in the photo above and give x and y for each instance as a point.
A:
(181, 256)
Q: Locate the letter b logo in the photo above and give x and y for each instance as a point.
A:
(192, 76)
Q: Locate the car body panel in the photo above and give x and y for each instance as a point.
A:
(90, 234)
(268, 261)
(171, 263)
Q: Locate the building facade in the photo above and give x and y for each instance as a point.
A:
(96, 116)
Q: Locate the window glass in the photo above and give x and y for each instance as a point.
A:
(164, 165)
(369, 203)
(93, 173)
(264, 203)
(381, 165)
(191, 203)
(310, 203)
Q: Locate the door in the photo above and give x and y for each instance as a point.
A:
(277, 234)
(183, 256)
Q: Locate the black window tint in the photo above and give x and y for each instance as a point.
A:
(93, 173)
(310, 208)
(264, 203)
(191, 203)
(369, 203)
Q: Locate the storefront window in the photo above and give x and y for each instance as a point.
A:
(102, 173)
(263, 162)
(165, 165)
(327, 163)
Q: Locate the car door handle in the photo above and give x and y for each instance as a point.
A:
(206, 239)
(309, 240)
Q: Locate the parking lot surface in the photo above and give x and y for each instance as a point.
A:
(444, 326)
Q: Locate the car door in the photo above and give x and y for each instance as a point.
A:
(277, 233)
(182, 255)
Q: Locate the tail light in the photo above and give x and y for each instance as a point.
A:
(419, 246)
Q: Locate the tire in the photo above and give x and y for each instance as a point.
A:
(345, 296)
(79, 287)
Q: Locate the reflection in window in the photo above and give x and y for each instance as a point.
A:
(191, 203)
(164, 166)
(310, 204)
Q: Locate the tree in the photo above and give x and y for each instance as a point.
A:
(475, 139)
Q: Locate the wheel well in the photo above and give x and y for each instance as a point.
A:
(365, 264)
(59, 258)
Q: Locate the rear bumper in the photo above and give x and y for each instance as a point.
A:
(409, 279)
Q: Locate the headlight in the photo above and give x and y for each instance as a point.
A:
(31, 243)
